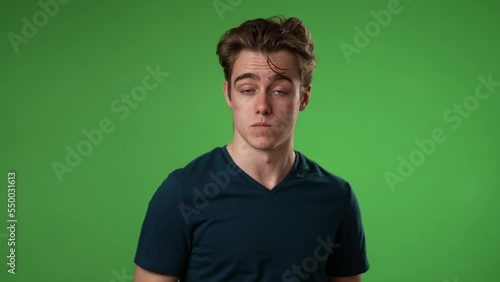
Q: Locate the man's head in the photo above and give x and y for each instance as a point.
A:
(268, 66)
(267, 36)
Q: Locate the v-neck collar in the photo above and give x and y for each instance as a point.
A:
(257, 184)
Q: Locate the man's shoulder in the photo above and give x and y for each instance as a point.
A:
(312, 171)
(201, 161)
(190, 174)
(199, 166)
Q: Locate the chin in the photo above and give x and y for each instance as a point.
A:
(263, 148)
(264, 145)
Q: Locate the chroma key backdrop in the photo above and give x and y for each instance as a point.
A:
(101, 100)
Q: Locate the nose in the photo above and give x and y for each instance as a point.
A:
(263, 103)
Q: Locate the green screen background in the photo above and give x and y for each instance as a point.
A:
(440, 224)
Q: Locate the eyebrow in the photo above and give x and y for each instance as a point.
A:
(252, 76)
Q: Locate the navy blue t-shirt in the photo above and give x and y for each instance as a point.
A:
(210, 221)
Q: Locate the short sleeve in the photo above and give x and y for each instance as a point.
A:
(164, 243)
(349, 253)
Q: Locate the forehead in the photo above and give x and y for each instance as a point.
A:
(256, 62)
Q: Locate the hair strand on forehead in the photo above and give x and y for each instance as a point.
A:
(274, 67)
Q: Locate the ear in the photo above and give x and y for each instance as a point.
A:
(227, 94)
(305, 97)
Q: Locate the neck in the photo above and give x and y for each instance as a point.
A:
(267, 167)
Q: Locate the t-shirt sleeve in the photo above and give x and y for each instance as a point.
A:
(164, 243)
(349, 252)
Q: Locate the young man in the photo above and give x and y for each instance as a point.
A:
(256, 209)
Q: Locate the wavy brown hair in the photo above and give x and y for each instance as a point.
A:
(267, 36)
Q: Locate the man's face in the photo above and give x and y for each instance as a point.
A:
(265, 104)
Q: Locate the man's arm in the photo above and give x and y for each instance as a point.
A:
(143, 275)
(164, 242)
(355, 278)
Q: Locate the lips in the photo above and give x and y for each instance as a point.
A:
(261, 124)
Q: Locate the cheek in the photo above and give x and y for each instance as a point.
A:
(240, 112)
(289, 112)
(242, 108)
(237, 109)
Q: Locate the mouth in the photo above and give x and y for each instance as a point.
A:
(261, 124)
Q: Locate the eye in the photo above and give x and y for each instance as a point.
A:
(280, 92)
(247, 91)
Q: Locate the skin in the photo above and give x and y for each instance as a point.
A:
(142, 275)
(355, 278)
(265, 152)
